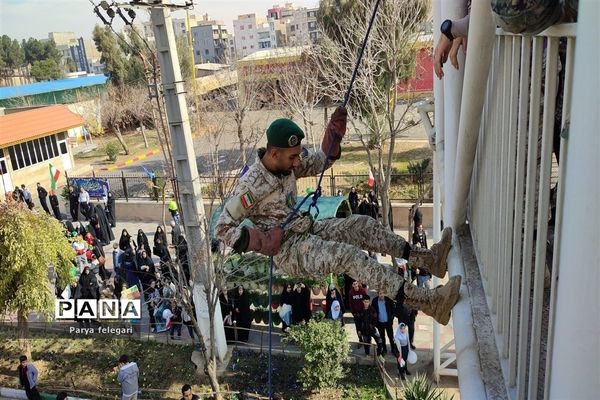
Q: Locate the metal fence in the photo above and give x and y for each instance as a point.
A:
(403, 187)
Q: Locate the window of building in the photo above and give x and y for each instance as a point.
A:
(244, 48)
(36, 151)
(42, 145)
(243, 37)
(54, 146)
(206, 52)
(3, 169)
(25, 152)
(292, 28)
(251, 36)
(249, 26)
(32, 156)
(241, 27)
(251, 46)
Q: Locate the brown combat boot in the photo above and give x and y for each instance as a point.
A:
(434, 259)
(436, 303)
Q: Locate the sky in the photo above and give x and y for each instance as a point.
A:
(22, 19)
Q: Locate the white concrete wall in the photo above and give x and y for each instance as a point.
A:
(575, 372)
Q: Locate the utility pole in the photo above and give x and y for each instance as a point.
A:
(184, 158)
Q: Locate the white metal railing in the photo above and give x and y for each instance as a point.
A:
(509, 199)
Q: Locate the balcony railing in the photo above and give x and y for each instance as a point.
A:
(512, 216)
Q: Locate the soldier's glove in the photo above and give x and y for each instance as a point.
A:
(252, 239)
(334, 133)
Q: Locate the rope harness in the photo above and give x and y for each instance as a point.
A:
(315, 195)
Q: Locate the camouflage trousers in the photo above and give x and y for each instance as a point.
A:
(335, 246)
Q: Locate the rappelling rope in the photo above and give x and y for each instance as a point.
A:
(315, 195)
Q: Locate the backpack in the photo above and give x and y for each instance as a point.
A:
(531, 16)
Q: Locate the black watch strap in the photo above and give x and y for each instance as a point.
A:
(446, 29)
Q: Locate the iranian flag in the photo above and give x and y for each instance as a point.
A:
(371, 180)
(54, 174)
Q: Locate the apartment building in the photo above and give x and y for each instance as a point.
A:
(211, 42)
(246, 34)
(301, 26)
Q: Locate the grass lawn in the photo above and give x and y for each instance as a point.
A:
(88, 364)
(354, 157)
(134, 141)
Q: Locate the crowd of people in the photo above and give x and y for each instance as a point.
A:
(365, 205)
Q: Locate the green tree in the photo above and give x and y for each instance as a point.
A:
(46, 70)
(134, 49)
(324, 345)
(71, 66)
(38, 50)
(186, 61)
(31, 243)
(11, 52)
(111, 54)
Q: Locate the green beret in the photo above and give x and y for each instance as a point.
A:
(284, 133)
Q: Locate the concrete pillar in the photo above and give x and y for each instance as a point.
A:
(575, 368)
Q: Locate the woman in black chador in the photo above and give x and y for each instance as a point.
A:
(142, 242)
(242, 313)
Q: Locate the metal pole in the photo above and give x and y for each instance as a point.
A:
(453, 83)
(270, 328)
(192, 207)
(438, 175)
(481, 39)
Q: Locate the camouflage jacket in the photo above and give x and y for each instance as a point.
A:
(264, 198)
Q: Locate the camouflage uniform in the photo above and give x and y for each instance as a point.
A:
(332, 245)
(328, 246)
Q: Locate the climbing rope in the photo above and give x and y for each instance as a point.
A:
(315, 195)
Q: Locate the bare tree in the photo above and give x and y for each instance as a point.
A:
(249, 94)
(389, 61)
(138, 105)
(299, 90)
(114, 113)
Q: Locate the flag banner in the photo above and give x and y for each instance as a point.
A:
(131, 293)
(371, 180)
(54, 175)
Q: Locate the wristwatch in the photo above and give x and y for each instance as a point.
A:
(446, 29)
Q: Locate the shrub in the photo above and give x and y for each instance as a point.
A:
(324, 345)
(112, 151)
(419, 388)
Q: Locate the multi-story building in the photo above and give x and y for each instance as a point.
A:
(180, 24)
(64, 41)
(301, 26)
(210, 41)
(63, 38)
(146, 31)
(246, 34)
(267, 36)
(84, 54)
